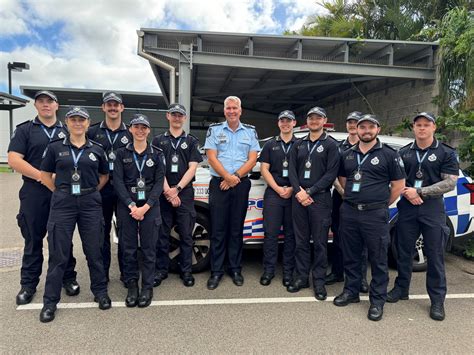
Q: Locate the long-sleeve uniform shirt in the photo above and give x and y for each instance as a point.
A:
(127, 174)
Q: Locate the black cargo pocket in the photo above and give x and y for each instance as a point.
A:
(51, 228)
(21, 220)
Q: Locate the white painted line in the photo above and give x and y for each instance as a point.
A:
(217, 301)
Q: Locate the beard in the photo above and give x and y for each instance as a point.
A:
(367, 138)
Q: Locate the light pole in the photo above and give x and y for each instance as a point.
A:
(15, 66)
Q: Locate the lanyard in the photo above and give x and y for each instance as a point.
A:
(139, 166)
(45, 130)
(286, 150)
(175, 147)
(312, 149)
(420, 160)
(359, 163)
(75, 158)
(111, 141)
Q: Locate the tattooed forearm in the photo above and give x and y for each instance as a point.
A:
(447, 184)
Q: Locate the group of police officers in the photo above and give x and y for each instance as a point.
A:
(82, 174)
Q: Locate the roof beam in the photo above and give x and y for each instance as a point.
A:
(427, 52)
(383, 52)
(304, 65)
(342, 48)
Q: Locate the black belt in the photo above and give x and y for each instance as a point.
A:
(368, 206)
(86, 191)
(221, 178)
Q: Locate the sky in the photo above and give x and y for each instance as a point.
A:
(92, 44)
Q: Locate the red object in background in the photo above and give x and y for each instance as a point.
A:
(470, 187)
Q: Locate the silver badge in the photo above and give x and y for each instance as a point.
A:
(285, 163)
(174, 158)
(75, 177)
(141, 184)
(124, 140)
(184, 145)
(357, 176)
(150, 163)
(92, 157)
(432, 157)
(320, 149)
(419, 174)
(374, 161)
(61, 135)
(307, 164)
(112, 156)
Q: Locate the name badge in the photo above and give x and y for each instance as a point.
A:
(284, 173)
(307, 174)
(418, 183)
(111, 166)
(141, 192)
(75, 182)
(356, 187)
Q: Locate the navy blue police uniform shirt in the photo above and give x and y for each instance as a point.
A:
(58, 159)
(382, 165)
(344, 145)
(439, 159)
(275, 152)
(324, 163)
(126, 174)
(110, 140)
(30, 140)
(186, 150)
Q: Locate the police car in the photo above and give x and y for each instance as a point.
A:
(459, 205)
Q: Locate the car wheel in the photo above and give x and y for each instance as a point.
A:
(201, 245)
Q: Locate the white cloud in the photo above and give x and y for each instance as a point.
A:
(96, 46)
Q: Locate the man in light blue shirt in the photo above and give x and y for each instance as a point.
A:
(231, 149)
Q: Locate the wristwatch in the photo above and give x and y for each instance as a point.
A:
(237, 174)
(132, 204)
(178, 188)
(308, 191)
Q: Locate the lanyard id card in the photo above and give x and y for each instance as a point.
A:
(141, 189)
(307, 170)
(75, 182)
(174, 163)
(418, 183)
(284, 171)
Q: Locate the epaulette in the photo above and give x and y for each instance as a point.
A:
(446, 145)
(388, 146)
(157, 148)
(23, 123)
(56, 140)
(96, 143)
(193, 136)
(248, 125)
(215, 124)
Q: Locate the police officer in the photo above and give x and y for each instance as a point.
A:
(231, 149)
(372, 176)
(138, 180)
(177, 202)
(314, 162)
(337, 268)
(24, 155)
(432, 170)
(81, 169)
(112, 134)
(274, 159)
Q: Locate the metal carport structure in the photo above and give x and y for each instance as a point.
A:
(271, 73)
